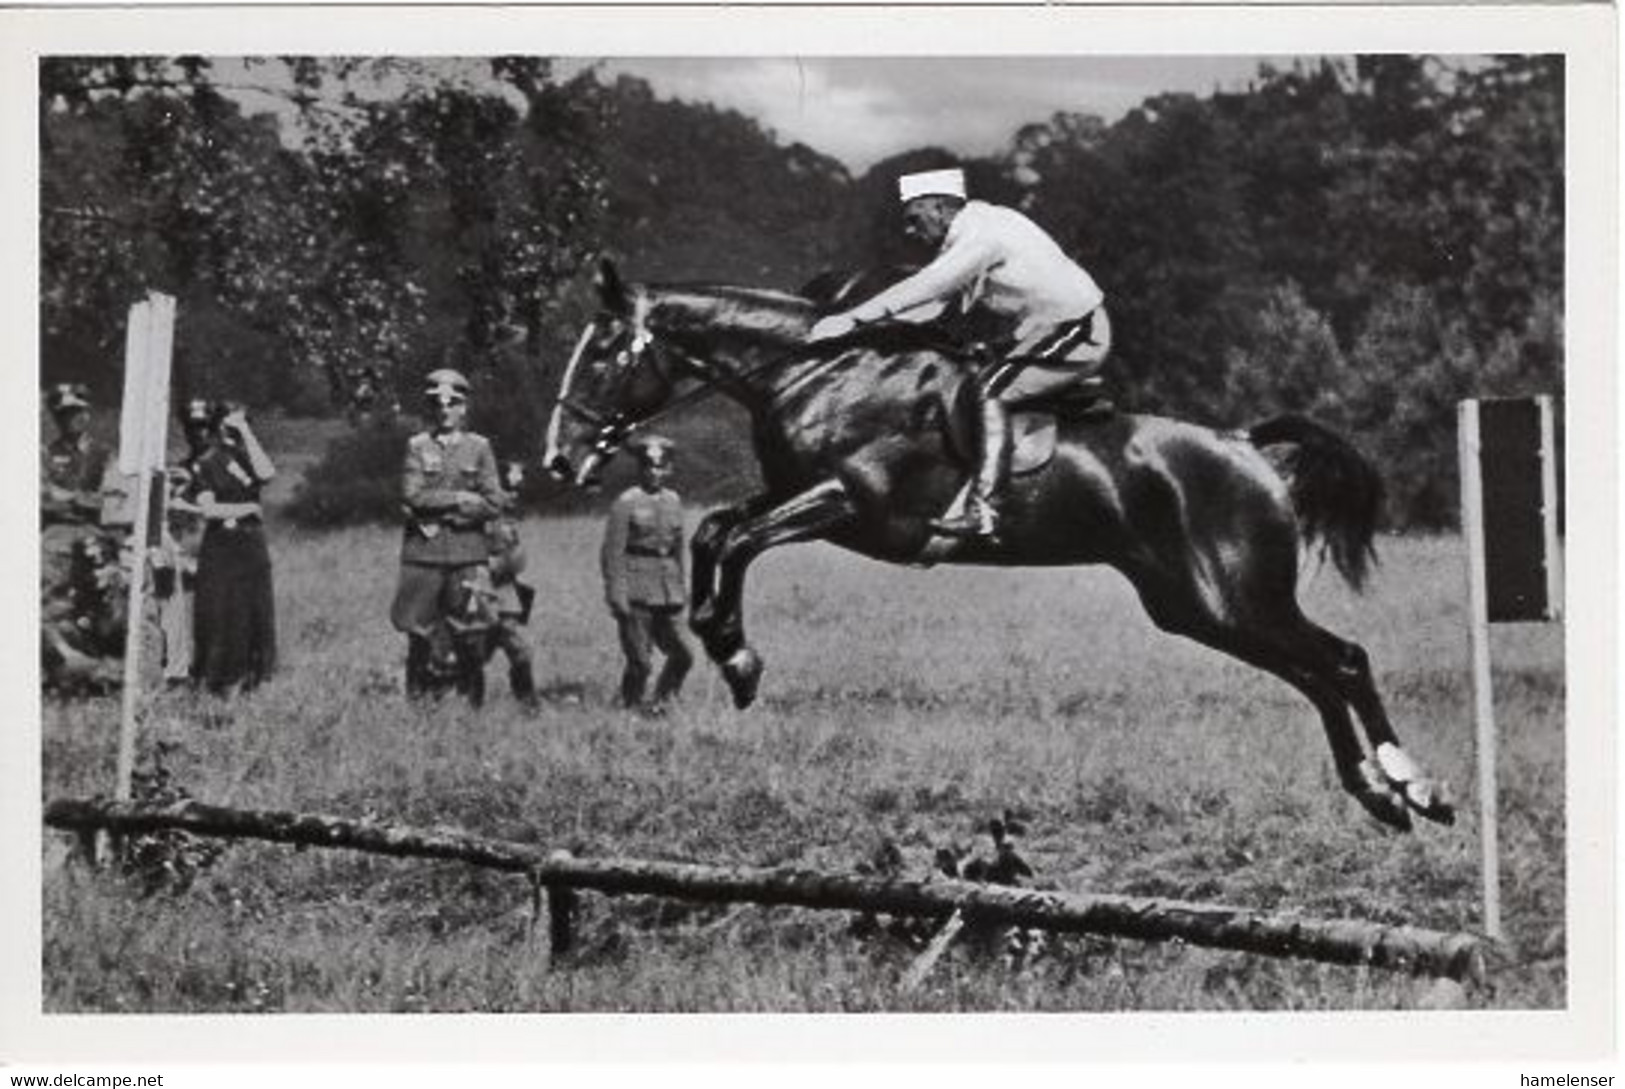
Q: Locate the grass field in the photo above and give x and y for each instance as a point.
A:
(898, 704)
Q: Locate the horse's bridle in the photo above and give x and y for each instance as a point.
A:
(615, 427)
(612, 427)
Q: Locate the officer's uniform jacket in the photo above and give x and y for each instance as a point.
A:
(642, 555)
(997, 258)
(439, 532)
(72, 476)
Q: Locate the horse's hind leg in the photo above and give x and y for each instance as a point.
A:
(719, 622)
(1348, 666)
(1176, 605)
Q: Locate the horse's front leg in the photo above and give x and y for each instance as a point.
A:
(721, 625)
(704, 547)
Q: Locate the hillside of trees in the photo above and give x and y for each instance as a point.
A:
(1364, 239)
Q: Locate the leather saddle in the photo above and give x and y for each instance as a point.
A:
(1032, 423)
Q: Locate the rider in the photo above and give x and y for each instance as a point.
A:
(998, 259)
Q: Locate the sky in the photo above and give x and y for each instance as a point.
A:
(862, 109)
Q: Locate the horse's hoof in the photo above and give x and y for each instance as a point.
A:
(1430, 799)
(1380, 797)
(1387, 806)
(743, 672)
(1393, 770)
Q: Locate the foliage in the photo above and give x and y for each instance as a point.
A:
(1290, 361)
(699, 193)
(1373, 240)
(166, 859)
(320, 239)
(357, 480)
(1273, 246)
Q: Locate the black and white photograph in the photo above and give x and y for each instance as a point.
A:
(589, 516)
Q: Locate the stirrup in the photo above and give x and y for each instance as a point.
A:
(978, 521)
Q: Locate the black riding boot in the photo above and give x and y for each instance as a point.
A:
(981, 515)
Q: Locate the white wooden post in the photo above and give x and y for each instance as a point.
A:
(143, 430)
(1478, 627)
(1508, 454)
(1548, 510)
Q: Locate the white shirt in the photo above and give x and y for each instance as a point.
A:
(1002, 260)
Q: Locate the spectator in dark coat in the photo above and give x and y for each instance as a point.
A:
(234, 622)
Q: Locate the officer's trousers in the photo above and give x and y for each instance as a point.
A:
(644, 629)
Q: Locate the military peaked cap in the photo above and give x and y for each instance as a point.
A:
(67, 395)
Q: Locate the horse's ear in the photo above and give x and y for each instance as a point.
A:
(611, 288)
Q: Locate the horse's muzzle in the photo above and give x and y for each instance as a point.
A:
(558, 467)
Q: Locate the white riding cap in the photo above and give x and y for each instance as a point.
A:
(932, 183)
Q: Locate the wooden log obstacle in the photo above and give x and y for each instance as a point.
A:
(1456, 956)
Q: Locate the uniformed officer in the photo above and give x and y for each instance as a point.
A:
(645, 580)
(513, 595)
(81, 621)
(450, 491)
(73, 468)
(998, 260)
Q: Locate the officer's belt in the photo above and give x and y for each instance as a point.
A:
(650, 551)
(242, 521)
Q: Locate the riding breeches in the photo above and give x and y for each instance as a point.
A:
(1051, 358)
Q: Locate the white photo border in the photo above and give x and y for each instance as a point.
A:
(1583, 33)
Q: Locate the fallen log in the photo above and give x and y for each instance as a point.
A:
(1277, 934)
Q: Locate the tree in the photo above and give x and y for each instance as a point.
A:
(321, 239)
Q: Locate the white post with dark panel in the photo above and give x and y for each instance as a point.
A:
(1509, 516)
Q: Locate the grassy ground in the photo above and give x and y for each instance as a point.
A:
(899, 705)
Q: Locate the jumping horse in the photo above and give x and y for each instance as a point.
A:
(857, 447)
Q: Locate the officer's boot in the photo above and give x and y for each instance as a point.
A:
(981, 515)
(634, 679)
(417, 667)
(672, 675)
(523, 682)
(471, 670)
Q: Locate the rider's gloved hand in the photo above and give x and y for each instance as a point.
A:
(835, 325)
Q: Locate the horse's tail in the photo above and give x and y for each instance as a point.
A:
(1335, 491)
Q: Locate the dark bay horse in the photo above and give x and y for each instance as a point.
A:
(855, 448)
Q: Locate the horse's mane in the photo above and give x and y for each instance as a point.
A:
(781, 319)
(901, 338)
(758, 314)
